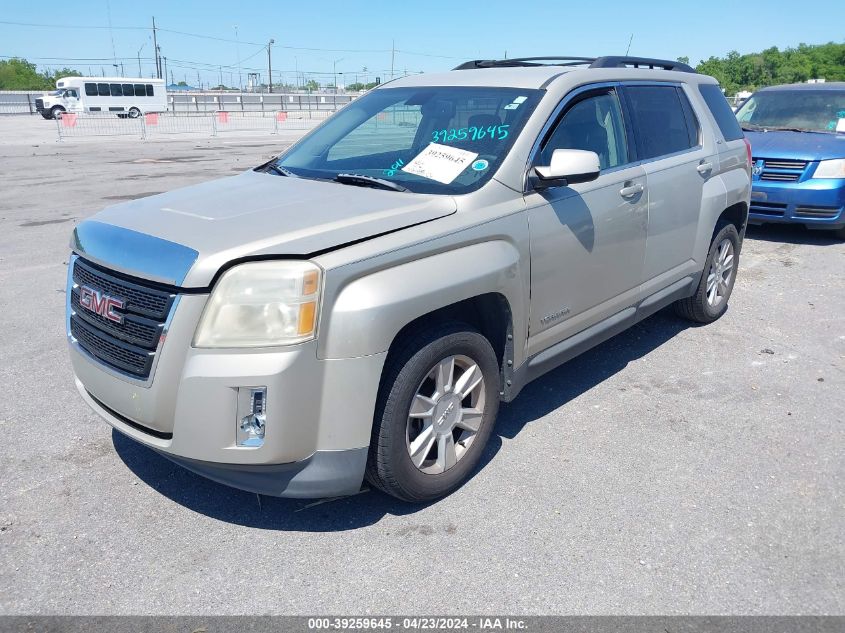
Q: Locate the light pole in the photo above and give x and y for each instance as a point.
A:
(139, 58)
(334, 66)
(238, 51)
(270, 65)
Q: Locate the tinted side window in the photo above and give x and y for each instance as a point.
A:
(116, 91)
(103, 90)
(140, 91)
(693, 127)
(725, 118)
(128, 90)
(659, 120)
(150, 90)
(90, 90)
(593, 123)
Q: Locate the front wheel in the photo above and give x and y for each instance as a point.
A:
(436, 409)
(57, 112)
(710, 300)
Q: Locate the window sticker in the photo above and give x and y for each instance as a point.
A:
(440, 162)
(493, 132)
(520, 100)
(480, 165)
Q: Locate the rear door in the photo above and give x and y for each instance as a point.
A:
(669, 143)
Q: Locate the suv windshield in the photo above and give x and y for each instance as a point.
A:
(810, 110)
(398, 135)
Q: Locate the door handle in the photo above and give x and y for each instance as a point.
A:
(705, 168)
(630, 191)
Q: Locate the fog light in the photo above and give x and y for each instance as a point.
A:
(252, 416)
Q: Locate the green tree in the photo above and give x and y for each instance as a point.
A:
(311, 85)
(772, 66)
(18, 74)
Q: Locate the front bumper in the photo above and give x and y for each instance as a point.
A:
(319, 412)
(814, 203)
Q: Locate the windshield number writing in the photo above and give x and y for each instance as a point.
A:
(495, 132)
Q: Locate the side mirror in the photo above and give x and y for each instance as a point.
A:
(568, 167)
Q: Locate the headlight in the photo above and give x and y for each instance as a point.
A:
(262, 304)
(831, 169)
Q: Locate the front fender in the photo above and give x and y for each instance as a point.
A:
(369, 312)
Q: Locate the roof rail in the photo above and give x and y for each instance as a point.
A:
(525, 61)
(591, 62)
(640, 62)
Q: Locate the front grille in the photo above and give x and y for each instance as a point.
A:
(781, 169)
(778, 177)
(39, 104)
(817, 212)
(773, 209)
(800, 165)
(129, 346)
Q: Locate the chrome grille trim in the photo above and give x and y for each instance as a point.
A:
(129, 350)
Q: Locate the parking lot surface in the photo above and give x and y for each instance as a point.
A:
(673, 469)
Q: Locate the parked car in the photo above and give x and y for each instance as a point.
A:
(359, 307)
(797, 135)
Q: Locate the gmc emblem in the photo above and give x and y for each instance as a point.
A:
(100, 303)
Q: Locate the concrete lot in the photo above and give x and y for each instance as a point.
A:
(673, 469)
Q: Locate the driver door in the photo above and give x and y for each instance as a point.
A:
(588, 239)
(72, 100)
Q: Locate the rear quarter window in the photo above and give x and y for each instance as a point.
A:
(721, 111)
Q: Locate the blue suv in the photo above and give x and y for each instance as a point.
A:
(797, 135)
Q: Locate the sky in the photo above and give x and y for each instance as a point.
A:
(209, 40)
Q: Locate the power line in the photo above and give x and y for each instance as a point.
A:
(224, 39)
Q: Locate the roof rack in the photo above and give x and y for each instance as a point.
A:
(590, 62)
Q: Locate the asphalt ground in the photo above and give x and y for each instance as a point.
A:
(672, 470)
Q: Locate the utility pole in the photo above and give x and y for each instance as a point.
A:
(392, 56)
(155, 46)
(122, 74)
(165, 72)
(270, 65)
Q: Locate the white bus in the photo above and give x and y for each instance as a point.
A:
(124, 96)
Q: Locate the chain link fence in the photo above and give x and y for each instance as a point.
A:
(99, 124)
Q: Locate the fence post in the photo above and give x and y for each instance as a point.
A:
(29, 102)
(214, 123)
(59, 128)
(143, 118)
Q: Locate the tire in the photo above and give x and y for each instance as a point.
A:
(46, 115)
(57, 112)
(839, 233)
(410, 375)
(134, 113)
(703, 306)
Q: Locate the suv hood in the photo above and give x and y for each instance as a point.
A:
(796, 145)
(185, 236)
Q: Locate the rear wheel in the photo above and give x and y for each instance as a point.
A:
(710, 300)
(134, 113)
(436, 409)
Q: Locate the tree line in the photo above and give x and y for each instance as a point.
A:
(735, 72)
(772, 66)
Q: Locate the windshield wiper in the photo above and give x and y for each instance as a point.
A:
(368, 181)
(279, 170)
